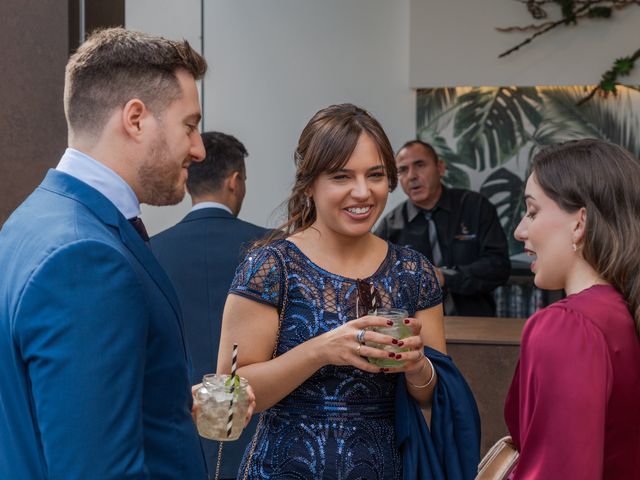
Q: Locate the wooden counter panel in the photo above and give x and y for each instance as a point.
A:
(486, 351)
(483, 330)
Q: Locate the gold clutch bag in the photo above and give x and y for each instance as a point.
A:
(499, 461)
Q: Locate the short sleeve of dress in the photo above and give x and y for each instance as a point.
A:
(419, 275)
(430, 293)
(259, 277)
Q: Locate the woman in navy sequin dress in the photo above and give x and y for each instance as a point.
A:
(328, 412)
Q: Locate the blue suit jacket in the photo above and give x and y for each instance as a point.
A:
(93, 366)
(200, 254)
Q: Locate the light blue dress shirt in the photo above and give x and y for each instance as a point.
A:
(102, 178)
(201, 205)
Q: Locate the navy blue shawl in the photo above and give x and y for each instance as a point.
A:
(451, 450)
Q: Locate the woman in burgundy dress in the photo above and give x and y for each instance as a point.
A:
(573, 408)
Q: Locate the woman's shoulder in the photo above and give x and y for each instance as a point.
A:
(554, 328)
(270, 249)
(264, 259)
(599, 307)
(406, 253)
(407, 259)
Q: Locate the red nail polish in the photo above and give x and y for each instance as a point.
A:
(400, 343)
(398, 355)
(407, 321)
(385, 369)
(392, 355)
(381, 369)
(390, 323)
(394, 341)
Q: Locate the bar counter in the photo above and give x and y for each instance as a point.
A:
(486, 350)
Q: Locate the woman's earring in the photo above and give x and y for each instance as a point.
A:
(307, 203)
(575, 247)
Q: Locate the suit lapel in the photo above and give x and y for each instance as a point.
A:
(143, 254)
(71, 187)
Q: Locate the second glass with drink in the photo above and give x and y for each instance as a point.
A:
(399, 330)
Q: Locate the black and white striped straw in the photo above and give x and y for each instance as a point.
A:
(234, 367)
(374, 305)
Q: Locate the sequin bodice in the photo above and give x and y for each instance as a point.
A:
(339, 422)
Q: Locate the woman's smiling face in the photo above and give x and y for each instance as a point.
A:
(349, 201)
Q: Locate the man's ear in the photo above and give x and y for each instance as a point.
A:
(232, 180)
(134, 116)
(441, 167)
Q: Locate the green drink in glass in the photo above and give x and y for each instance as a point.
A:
(398, 331)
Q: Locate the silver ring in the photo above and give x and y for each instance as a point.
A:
(360, 336)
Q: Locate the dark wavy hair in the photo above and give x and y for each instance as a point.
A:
(604, 179)
(325, 145)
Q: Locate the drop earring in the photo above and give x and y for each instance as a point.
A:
(307, 202)
(575, 247)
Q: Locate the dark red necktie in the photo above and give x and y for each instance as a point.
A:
(139, 226)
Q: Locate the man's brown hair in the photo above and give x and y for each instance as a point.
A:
(116, 65)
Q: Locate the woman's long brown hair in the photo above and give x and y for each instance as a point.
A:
(325, 145)
(604, 179)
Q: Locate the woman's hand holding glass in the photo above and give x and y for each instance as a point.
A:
(409, 361)
(353, 344)
(345, 345)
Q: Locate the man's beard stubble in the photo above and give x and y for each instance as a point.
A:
(159, 176)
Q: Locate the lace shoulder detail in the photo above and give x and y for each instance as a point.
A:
(260, 276)
(423, 283)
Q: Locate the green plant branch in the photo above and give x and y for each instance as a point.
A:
(596, 11)
(571, 15)
(621, 67)
(535, 27)
(565, 20)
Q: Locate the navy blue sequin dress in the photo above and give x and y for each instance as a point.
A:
(339, 424)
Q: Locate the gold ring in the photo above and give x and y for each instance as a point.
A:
(358, 349)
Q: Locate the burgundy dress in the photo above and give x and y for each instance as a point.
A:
(573, 408)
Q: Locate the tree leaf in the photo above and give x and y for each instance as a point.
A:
(435, 108)
(614, 119)
(491, 124)
(506, 191)
(454, 176)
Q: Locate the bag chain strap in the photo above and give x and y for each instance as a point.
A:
(254, 441)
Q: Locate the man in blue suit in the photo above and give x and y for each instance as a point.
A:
(93, 366)
(200, 255)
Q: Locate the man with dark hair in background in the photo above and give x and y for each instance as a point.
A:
(457, 230)
(201, 254)
(93, 367)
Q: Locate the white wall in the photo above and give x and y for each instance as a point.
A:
(454, 43)
(273, 64)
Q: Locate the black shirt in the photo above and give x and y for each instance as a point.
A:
(474, 247)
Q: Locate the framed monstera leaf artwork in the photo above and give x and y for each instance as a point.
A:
(488, 135)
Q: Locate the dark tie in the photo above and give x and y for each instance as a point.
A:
(436, 252)
(436, 259)
(139, 226)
